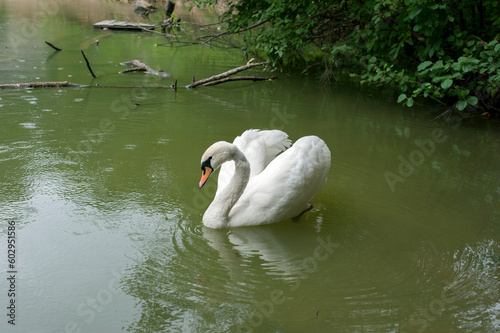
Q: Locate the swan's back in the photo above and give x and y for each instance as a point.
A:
(259, 148)
(286, 186)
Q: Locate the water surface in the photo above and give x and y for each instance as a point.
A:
(102, 186)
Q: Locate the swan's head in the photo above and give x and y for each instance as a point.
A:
(217, 154)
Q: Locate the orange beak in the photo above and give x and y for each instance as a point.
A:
(207, 171)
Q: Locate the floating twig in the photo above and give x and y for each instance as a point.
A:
(88, 65)
(53, 46)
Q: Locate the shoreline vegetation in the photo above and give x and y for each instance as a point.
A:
(422, 51)
(417, 52)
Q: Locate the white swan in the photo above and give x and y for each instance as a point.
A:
(263, 188)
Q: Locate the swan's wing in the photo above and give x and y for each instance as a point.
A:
(259, 147)
(283, 190)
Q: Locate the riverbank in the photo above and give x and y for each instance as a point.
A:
(447, 53)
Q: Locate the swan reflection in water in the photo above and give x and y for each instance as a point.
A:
(287, 251)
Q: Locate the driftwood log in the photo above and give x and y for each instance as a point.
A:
(236, 78)
(223, 77)
(66, 84)
(139, 66)
(122, 25)
(57, 84)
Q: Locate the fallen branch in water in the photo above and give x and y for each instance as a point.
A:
(88, 65)
(53, 46)
(237, 78)
(66, 84)
(58, 84)
(139, 66)
(215, 78)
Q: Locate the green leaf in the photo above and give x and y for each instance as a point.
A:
(401, 98)
(424, 65)
(461, 104)
(415, 11)
(437, 65)
(431, 52)
(493, 43)
(446, 83)
(467, 68)
(472, 100)
(409, 102)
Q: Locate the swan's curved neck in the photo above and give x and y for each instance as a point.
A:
(217, 214)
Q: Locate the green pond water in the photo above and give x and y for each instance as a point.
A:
(100, 186)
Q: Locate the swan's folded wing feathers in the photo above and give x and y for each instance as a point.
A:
(283, 190)
(259, 148)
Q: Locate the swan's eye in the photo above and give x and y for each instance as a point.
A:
(206, 163)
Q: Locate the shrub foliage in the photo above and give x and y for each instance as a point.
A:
(444, 50)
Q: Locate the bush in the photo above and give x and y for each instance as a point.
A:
(447, 50)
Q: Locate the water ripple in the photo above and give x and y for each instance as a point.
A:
(464, 283)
